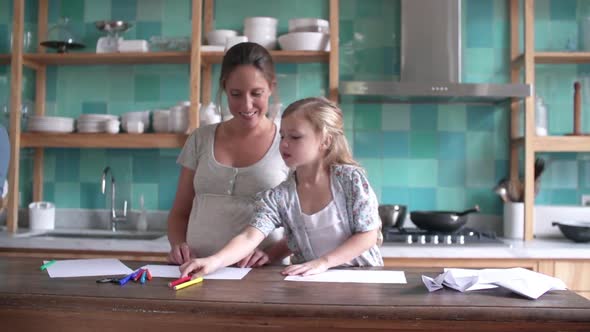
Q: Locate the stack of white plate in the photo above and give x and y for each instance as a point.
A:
(93, 123)
(50, 124)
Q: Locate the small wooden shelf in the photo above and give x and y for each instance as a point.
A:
(277, 56)
(561, 144)
(102, 140)
(4, 59)
(562, 57)
(109, 58)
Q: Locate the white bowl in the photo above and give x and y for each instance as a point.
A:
(304, 41)
(309, 25)
(267, 41)
(219, 37)
(258, 21)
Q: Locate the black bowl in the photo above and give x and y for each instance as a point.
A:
(577, 231)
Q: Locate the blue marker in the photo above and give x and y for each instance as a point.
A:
(125, 280)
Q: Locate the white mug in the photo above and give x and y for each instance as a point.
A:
(135, 127)
(231, 41)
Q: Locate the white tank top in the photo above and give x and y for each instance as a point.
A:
(325, 229)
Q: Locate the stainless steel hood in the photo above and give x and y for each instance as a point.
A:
(431, 62)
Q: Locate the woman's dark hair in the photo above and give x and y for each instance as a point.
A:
(246, 54)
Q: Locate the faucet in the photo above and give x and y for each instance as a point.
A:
(114, 218)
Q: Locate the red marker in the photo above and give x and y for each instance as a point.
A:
(179, 281)
(138, 275)
(149, 275)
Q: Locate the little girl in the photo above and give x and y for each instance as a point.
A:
(326, 206)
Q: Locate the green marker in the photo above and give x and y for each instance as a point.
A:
(48, 264)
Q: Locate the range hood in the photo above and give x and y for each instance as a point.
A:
(431, 62)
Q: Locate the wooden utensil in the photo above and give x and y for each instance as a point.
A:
(577, 108)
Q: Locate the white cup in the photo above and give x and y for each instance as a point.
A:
(41, 216)
(135, 127)
(231, 41)
(112, 126)
(514, 220)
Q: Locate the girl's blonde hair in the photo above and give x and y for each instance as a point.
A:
(326, 119)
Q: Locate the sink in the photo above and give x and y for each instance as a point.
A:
(100, 234)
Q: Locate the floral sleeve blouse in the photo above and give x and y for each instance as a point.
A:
(353, 196)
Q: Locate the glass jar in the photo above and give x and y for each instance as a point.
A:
(61, 38)
(540, 117)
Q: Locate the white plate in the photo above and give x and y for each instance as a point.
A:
(212, 48)
(97, 117)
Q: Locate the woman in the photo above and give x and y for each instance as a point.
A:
(224, 165)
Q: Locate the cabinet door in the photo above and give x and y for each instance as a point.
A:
(575, 274)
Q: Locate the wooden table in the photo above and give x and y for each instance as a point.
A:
(31, 301)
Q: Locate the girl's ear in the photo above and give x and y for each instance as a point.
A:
(326, 142)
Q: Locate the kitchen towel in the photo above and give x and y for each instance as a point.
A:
(525, 282)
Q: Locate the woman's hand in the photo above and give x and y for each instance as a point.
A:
(179, 254)
(199, 267)
(255, 259)
(312, 267)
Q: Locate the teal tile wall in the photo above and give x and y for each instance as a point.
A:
(427, 156)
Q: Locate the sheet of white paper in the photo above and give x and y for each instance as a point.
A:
(163, 271)
(87, 268)
(431, 284)
(361, 276)
(172, 271)
(521, 281)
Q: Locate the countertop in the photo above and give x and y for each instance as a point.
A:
(545, 248)
(31, 301)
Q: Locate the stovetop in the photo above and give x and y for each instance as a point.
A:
(463, 237)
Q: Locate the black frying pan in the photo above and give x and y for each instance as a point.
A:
(576, 231)
(441, 221)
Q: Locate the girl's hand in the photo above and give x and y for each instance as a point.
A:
(179, 254)
(312, 267)
(255, 259)
(199, 267)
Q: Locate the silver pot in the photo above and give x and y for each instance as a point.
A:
(392, 215)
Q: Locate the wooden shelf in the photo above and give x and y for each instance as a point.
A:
(159, 57)
(4, 59)
(102, 140)
(561, 143)
(109, 58)
(562, 57)
(277, 56)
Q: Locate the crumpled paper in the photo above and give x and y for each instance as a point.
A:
(521, 281)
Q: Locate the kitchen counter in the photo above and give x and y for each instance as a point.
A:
(546, 248)
(31, 301)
